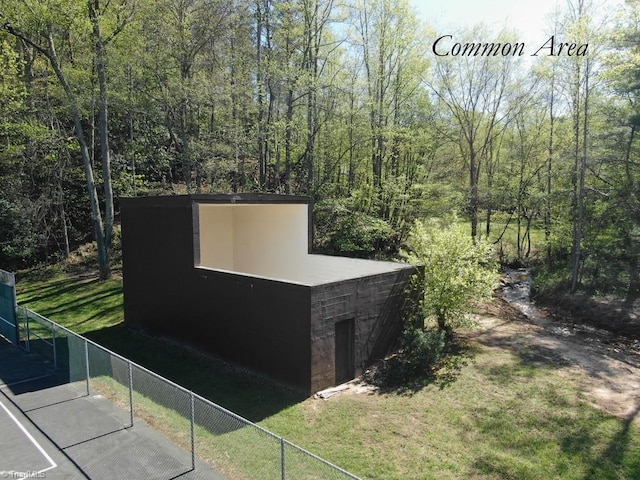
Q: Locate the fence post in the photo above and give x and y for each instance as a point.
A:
(55, 352)
(130, 393)
(86, 363)
(193, 431)
(282, 459)
(14, 299)
(26, 322)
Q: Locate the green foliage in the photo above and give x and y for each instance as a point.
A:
(548, 279)
(610, 252)
(423, 349)
(207, 96)
(457, 273)
(18, 240)
(343, 230)
(426, 356)
(12, 92)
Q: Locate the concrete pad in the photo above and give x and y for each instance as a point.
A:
(21, 452)
(27, 451)
(14, 368)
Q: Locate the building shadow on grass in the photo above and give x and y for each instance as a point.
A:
(236, 389)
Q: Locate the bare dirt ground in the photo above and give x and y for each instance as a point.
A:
(609, 363)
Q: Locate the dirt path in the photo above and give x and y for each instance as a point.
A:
(609, 364)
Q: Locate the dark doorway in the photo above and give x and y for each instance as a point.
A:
(345, 350)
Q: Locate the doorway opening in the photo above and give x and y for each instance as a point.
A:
(345, 350)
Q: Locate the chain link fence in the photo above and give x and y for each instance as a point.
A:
(234, 446)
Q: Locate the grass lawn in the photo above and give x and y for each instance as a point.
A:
(502, 417)
(504, 236)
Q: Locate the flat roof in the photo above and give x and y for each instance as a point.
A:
(220, 198)
(317, 270)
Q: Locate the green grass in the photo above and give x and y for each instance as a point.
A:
(501, 419)
(238, 450)
(504, 233)
(81, 304)
(504, 417)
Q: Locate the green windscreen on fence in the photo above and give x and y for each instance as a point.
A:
(8, 322)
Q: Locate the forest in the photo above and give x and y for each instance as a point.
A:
(346, 102)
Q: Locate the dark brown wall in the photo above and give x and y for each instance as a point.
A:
(375, 303)
(262, 324)
(259, 323)
(157, 255)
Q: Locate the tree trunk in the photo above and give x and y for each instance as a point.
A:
(103, 131)
(473, 195)
(312, 72)
(287, 142)
(580, 193)
(631, 245)
(96, 216)
(352, 167)
(261, 13)
(549, 172)
(311, 136)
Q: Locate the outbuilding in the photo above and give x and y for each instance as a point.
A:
(234, 274)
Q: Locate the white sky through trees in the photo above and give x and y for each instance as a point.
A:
(530, 19)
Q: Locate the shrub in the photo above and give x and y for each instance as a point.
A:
(457, 272)
(423, 349)
(427, 356)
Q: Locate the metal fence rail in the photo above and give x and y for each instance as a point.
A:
(233, 445)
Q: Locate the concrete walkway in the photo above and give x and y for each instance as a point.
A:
(52, 429)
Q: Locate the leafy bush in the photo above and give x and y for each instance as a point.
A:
(457, 272)
(426, 356)
(423, 349)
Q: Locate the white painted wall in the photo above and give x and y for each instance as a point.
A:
(216, 237)
(271, 241)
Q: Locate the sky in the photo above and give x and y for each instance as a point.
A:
(529, 18)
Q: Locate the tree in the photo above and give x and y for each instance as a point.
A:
(123, 15)
(476, 92)
(580, 73)
(457, 272)
(622, 169)
(528, 155)
(388, 37)
(17, 240)
(184, 37)
(38, 25)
